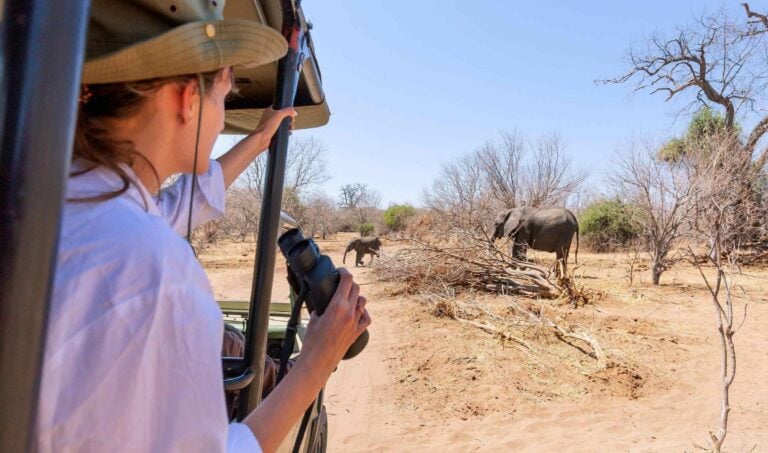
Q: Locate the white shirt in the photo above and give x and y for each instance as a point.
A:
(133, 353)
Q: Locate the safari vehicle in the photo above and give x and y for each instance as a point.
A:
(43, 45)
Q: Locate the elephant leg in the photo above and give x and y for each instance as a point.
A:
(563, 253)
(559, 258)
(519, 251)
(358, 258)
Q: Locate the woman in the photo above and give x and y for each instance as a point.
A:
(132, 359)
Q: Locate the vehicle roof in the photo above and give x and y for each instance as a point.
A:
(256, 85)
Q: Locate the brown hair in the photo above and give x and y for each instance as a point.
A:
(103, 102)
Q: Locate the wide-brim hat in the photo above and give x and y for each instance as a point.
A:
(131, 40)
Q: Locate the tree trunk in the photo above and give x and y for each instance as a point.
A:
(656, 271)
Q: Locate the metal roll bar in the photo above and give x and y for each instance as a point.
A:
(40, 69)
(288, 73)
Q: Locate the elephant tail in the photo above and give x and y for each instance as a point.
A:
(576, 255)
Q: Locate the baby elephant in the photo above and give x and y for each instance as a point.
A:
(370, 245)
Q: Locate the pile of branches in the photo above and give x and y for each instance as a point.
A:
(465, 262)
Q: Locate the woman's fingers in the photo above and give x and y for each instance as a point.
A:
(271, 119)
(365, 321)
(360, 307)
(289, 111)
(345, 284)
(361, 301)
(363, 317)
(354, 293)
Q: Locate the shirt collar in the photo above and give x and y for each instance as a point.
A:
(101, 180)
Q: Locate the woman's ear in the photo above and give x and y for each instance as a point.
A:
(189, 101)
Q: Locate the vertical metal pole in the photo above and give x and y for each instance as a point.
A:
(289, 69)
(42, 56)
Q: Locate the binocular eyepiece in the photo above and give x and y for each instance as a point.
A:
(319, 275)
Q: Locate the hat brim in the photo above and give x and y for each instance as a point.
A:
(189, 49)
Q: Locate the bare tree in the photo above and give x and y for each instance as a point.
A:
(717, 168)
(501, 165)
(306, 164)
(503, 174)
(720, 62)
(320, 215)
(663, 196)
(548, 178)
(720, 221)
(305, 168)
(360, 202)
(459, 194)
(242, 213)
(353, 196)
(724, 315)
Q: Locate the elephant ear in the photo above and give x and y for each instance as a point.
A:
(498, 224)
(513, 222)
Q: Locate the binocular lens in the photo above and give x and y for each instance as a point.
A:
(303, 256)
(288, 239)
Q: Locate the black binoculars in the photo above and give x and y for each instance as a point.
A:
(317, 274)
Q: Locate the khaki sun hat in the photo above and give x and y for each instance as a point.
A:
(144, 39)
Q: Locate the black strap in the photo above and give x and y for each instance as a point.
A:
(201, 85)
(290, 333)
(303, 428)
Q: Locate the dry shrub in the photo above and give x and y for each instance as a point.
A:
(444, 309)
(421, 227)
(462, 265)
(575, 292)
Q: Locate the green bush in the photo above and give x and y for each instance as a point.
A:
(365, 229)
(396, 216)
(704, 123)
(607, 224)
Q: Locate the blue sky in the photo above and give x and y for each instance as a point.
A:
(412, 84)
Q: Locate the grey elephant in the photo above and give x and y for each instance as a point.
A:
(548, 230)
(369, 244)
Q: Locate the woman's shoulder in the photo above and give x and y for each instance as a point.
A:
(125, 242)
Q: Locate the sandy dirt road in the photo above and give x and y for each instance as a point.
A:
(431, 384)
(674, 413)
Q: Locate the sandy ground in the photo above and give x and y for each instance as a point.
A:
(430, 383)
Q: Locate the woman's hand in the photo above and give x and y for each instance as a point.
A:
(237, 159)
(269, 122)
(330, 335)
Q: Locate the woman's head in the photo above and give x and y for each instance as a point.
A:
(141, 72)
(151, 124)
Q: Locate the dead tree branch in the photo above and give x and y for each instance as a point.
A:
(562, 334)
(466, 264)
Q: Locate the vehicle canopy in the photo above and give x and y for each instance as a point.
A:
(256, 85)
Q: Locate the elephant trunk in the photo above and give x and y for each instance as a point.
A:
(498, 232)
(344, 260)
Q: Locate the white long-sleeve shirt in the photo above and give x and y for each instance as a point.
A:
(133, 353)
